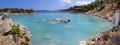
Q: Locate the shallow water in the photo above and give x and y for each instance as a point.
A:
(46, 32)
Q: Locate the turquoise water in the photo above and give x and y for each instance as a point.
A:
(46, 32)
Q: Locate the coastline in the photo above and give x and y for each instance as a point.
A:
(106, 18)
(107, 37)
(101, 18)
(110, 36)
(98, 35)
(93, 40)
(108, 15)
(107, 12)
(19, 13)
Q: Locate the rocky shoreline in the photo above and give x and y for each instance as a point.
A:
(107, 13)
(12, 33)
(110, 36)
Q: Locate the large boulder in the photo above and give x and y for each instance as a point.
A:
(7, 38)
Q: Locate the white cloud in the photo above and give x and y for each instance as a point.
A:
(73, 2)
(82, 3)
(67, 1)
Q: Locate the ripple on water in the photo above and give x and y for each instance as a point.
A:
(52, 22)
(68, 26)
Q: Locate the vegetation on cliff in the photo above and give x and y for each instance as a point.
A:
(16, 31)
(17, 10)
(96, 4)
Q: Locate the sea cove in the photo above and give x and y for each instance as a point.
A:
(46, 32)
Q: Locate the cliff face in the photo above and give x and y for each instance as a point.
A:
(108, 37)
(106, 12)
(9, 35)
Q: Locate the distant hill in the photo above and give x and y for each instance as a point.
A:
(16, 10)
(40, 10)
(97, 4)
(46, 11)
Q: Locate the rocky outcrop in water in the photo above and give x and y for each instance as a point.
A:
(12, 33)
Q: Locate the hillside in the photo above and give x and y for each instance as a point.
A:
(107, 12)
(99, 5)
(103, 8)
(16, 11)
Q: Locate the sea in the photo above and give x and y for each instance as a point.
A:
(45, 31)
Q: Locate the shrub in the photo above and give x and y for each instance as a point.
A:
(16, 31)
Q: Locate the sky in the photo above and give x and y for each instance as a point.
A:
(42, 4)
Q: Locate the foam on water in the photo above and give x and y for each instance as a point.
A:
(46, 32)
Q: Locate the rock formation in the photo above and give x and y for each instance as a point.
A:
(107, 12)
(109, 37)
(7, 37)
